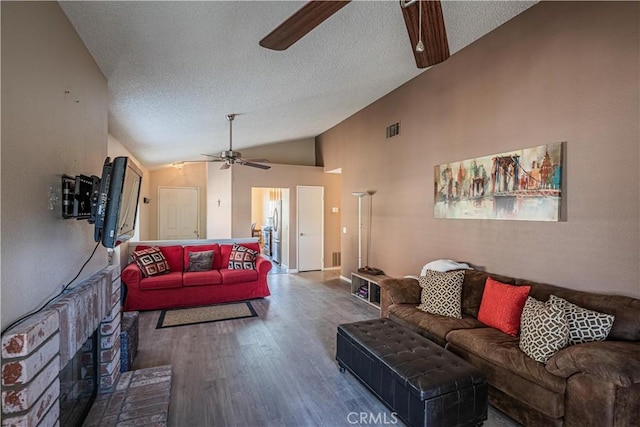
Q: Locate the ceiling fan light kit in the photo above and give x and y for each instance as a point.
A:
(419, 20)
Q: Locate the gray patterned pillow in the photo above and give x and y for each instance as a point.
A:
(585, 325)
(200, 261)
(543, 329)
(441, 293)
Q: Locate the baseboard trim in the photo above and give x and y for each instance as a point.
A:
(346, 279)
(292, 270)
(331, 268)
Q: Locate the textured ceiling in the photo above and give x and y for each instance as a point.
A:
(175, 69)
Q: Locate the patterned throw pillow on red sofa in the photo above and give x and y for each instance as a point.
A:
(242, 258)
(151, 261)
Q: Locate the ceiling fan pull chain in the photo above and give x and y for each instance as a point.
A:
(419, 45)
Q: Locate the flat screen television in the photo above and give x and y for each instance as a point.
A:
(116, 202)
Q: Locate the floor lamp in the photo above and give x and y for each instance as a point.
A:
(359, 195)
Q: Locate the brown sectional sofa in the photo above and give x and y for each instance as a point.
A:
(591, 384)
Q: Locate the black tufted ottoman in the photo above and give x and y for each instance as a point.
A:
(424, 384)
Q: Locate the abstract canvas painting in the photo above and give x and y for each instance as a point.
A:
(517, 185)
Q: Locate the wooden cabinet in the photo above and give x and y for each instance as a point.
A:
(366, 287)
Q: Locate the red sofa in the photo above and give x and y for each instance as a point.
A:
(180, 288)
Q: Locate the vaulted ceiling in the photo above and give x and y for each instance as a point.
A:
(175, 69)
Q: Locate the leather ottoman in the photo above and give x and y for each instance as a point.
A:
(424, 384)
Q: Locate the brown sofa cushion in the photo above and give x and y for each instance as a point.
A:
(503, 350)
(436, 326)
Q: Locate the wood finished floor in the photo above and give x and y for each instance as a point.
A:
(277, 369)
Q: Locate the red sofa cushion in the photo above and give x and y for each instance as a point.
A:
(226, 253)
(230, 277)
(199, 278)
(201, 248)
(164, 281)
(173, 254)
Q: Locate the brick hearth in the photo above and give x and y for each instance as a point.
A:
(141, 398)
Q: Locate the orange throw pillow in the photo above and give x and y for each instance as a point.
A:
(502, 305)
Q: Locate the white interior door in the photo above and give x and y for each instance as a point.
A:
(310, 228)
(178, 213)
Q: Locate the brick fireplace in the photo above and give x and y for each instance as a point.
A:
(36, 350)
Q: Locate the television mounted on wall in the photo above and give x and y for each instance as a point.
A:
(116, 202)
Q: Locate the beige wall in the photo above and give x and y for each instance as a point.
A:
(561, 71)
(219, 214)
(191, 175)
(287, 176)
(45, 133)
(297, 152)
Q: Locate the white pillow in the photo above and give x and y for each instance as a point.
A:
(443, 265)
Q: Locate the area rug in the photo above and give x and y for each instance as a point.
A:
(211, 313)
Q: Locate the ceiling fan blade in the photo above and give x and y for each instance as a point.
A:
(225, 166)
(254, 165)
(434, 35)
(257, 160)
(300, 23)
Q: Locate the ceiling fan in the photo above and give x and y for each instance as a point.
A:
(230, 157)
(422, 18)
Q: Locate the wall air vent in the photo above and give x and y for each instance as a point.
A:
(393, 130)
(336, 259)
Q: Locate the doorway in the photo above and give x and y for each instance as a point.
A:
(270, 213)
(178, 213)
(310, 228)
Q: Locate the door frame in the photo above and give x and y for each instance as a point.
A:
(183, 187)
(298, 187)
